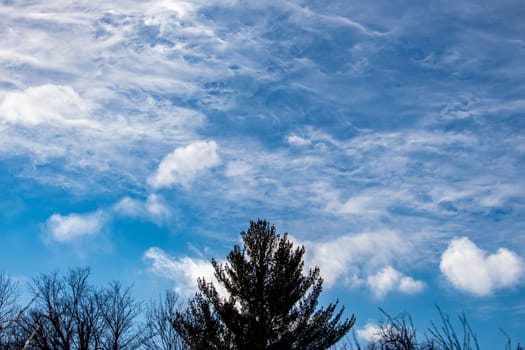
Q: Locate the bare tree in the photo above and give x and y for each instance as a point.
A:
(66, 315)
(119, 311)
(446, 337)
(399, 333)
(9, 294)
(160, 315)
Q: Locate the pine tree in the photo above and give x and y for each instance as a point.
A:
(271, 303)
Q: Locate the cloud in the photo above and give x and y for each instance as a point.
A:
(370, 332)
(68, 228)
(183, 271)
(298, 141)
(154, 208)
(390, 280)
(473, 270)
(47, 103)
(184, 164)
(83, 140)
(150, 73)
(346, 258)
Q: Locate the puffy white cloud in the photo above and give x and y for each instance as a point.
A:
(389, 280)
(184, 164)
(183, 271)
(369, 332)
(154, 208)
(73, 226)
(342, 259)
(45, 104)
(473, 270)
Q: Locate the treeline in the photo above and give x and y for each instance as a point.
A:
(270, 303)
(67, 312)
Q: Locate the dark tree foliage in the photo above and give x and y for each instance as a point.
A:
(271, 303)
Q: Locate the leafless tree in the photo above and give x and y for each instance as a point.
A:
(160, 315)
(119, 311)
(66, 315)
(9, 294)
(445, 336)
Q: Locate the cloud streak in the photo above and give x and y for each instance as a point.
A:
(154, 208)
(183, 271)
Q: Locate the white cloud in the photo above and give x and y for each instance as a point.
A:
(45, 104)
(154, 208)
(370, 332)
(408, 285)
(237, 169)
(183, 271)
(473, 270)
(390, 280)
(367, 204)
(74, 226)
(298, 141)
(345, 258)
(184, 164)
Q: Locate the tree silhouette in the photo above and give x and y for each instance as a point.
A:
(271, 303)
(9, 294)
(119, 311)
(160, 334)
(69, 313)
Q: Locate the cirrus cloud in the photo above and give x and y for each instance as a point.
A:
(184, 271)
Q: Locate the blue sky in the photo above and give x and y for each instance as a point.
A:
(389, 139)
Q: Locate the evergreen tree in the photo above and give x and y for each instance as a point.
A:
(271, 303)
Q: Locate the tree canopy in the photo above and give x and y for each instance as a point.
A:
(270, 303)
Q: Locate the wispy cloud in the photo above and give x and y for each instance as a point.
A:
(183, 271)
(370, 134)
(365, 260)
(297, 141)
(154, 208)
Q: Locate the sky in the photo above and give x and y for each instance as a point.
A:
(388, 138)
